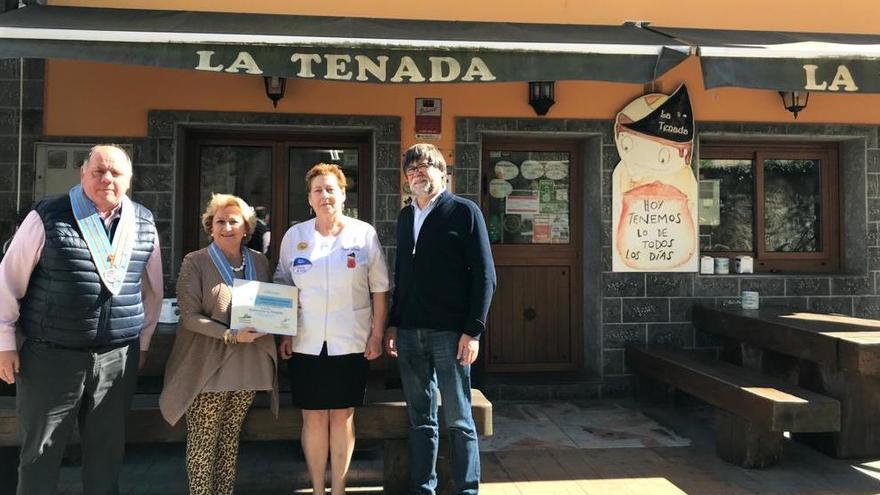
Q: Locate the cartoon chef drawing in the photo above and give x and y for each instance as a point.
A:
(654, 215)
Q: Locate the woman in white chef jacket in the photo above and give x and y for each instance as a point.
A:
(337, 264)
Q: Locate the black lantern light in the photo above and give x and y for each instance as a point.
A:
(794, 101)
(274, 88)
(541, 96)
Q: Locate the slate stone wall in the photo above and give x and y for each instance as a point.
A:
(12, 87)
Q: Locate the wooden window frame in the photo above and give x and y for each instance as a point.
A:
(281, 143)
(827, 259)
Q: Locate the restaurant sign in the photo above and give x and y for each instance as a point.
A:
(793, 74)
(363, 68)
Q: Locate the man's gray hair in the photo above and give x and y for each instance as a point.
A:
(94, 149)
(422, 151)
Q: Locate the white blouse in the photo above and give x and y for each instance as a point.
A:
(335, 277)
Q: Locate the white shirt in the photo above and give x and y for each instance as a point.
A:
(335, 277)
(419, 216)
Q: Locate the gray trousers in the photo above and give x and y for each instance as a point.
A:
(58, 389)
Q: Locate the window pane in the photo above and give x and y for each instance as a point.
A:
(529, 197)
(792, 205)
(244, 171)
(303, 159)
(726, 205)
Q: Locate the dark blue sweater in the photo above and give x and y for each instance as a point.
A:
(448, 283)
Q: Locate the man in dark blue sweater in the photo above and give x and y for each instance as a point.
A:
(444, 281)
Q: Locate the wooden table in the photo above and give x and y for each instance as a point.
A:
(835, 355)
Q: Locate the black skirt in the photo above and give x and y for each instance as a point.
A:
(328, 382)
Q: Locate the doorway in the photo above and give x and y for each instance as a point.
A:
(532, 202)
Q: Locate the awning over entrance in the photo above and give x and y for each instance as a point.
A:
(844, 63)
(340, 48)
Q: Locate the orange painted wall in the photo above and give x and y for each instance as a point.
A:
(91, 99)
(857, 16)
(124, 95)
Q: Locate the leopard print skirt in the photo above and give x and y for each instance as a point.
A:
(213, 424)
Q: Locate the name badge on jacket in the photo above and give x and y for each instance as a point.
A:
(301, 265)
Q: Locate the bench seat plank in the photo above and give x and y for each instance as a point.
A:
(765, 401)
(382, 418)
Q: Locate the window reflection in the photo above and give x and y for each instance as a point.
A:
(244, 171)
(529, 197)
(792, 205)
(725, 209)
(303, 159)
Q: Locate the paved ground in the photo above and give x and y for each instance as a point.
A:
(542, 449)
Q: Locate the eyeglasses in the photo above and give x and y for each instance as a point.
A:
(411, 170)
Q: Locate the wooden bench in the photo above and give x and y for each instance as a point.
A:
(383, 418)
(834, 355)
(752, 410)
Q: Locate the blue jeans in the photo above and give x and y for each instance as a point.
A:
(427, 361)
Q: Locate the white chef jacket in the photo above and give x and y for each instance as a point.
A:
(335, 276)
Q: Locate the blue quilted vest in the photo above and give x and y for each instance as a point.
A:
(66, 303)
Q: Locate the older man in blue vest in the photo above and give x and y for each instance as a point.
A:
(82, 281)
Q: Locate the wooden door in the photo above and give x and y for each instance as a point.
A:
(531, 199)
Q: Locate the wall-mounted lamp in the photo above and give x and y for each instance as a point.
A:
(541, 96)
(794, 101)
(274, 88)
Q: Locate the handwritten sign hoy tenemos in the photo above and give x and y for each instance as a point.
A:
(655, 228)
